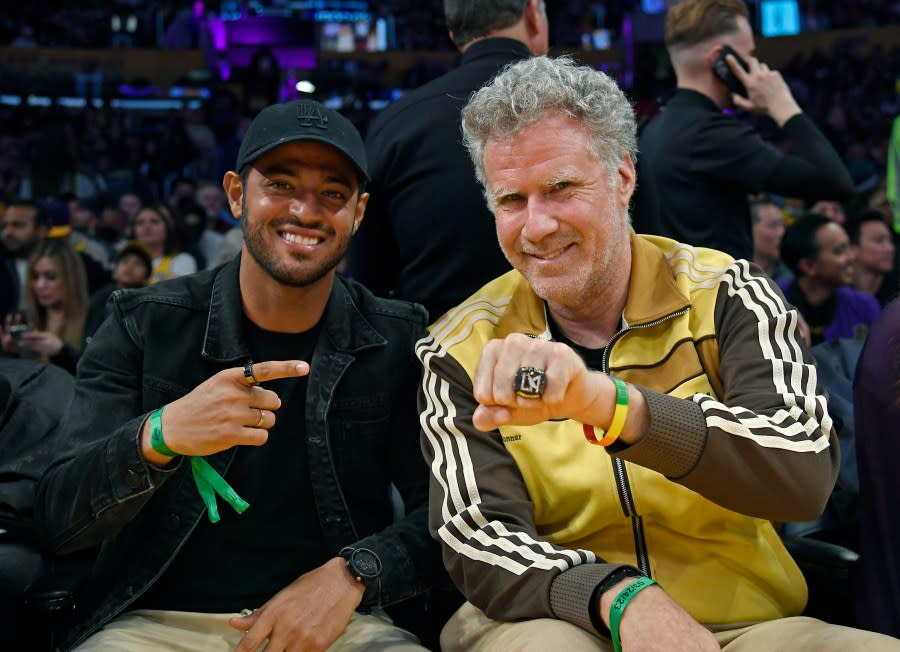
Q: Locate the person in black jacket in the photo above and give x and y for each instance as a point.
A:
(698, 164)
(429, 236)
(270, 395)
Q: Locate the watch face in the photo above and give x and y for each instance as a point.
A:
(366, 563)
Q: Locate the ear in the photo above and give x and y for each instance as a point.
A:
(533, 17)
(627, 179)
(361, 204)
(234, 189)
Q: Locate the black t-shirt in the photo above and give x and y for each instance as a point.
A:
(243, 560)
(817, 317)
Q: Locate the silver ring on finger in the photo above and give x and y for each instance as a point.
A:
(530, 382)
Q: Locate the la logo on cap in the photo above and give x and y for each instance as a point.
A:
(311, 115)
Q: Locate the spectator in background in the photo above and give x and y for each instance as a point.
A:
(876, 409)
(130, 204)
(212, 198)
(133, 269)
(93, 255)
(23, 226)
(57, 304)
(833, 210)
(155, 229)
(818, 252)
(112, 227)
(83, 223)
(699, 163)
(428, 235)
(768, 229)
(874, 255)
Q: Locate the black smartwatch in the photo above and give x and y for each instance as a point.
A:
(363, 564)
(617, 576)
(608, 582)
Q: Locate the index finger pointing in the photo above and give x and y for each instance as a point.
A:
(274, 369)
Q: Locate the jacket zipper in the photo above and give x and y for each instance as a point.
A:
(619, 471)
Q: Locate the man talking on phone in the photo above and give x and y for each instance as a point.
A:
(698, 164)
(234, 433)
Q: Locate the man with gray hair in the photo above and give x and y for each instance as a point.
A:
(617, 422)
(428, 236)
(698, 163)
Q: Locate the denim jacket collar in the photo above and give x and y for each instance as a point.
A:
(346, 327)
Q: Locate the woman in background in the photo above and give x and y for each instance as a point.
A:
(56, 307)
(154, 227)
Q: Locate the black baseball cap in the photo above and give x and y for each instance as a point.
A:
(302, 120)
(139, 250)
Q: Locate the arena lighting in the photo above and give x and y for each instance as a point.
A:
(305, 86)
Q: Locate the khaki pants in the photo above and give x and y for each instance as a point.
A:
(469, 630)
(151, 630)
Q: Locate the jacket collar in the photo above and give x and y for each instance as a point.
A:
(490, 47)
(346, 327)
(652, 292)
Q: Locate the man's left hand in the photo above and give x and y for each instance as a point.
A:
(308, 615)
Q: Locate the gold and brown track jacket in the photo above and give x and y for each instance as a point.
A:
(532, 518)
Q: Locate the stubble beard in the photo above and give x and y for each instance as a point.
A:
(278, 270)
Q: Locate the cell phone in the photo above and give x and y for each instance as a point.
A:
(17, 331)
(722, 71)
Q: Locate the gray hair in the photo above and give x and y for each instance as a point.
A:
(524, 92)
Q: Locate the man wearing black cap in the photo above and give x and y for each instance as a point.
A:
(239, 502)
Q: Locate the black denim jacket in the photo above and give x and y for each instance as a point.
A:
(161, 342)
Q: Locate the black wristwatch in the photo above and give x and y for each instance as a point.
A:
(363, 564)
(615, 577)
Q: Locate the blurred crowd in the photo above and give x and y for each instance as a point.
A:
(107, 173)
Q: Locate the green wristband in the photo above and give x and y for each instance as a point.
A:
(157, 442)
(209, 483)
(617, 610)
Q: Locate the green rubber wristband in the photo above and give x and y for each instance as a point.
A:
(157, 442)
(617, 610)
(209, 483)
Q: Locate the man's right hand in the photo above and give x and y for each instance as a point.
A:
(655, 622)
(222, 412)
(767, 92)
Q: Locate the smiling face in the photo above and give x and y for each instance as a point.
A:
(300, 206)
(875, 250)
(561, 219)
(833, 265)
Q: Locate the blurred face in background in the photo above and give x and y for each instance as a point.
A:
(767, 232)
(833, 210)
(150, 228)
(130, 204)
(18, 230)
(212, 199)
(131, 271)
(875, 249)
(47, 283)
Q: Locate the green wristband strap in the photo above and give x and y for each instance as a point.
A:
(209, 483)
(157, 442)
(617, 610)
